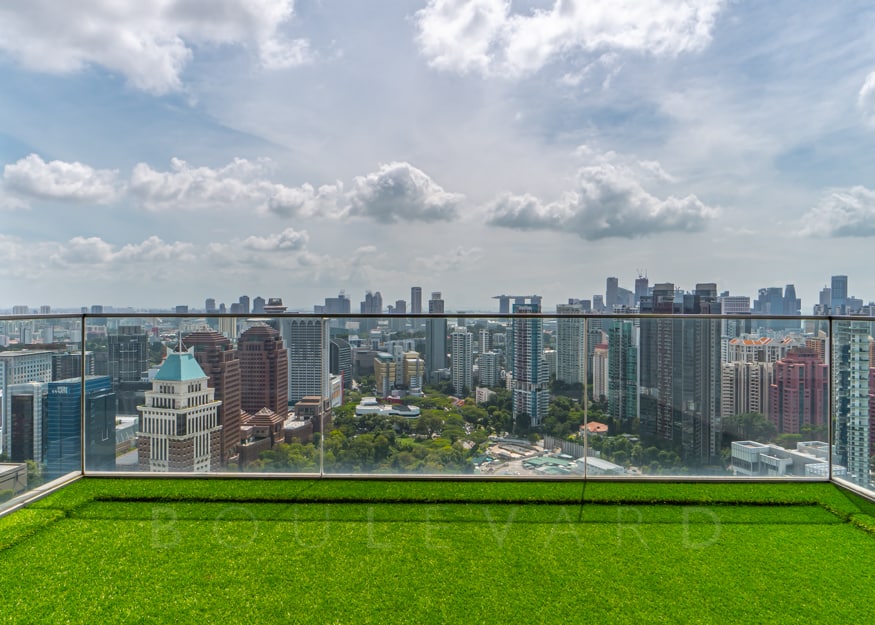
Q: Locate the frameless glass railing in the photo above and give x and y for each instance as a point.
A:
(524, 395)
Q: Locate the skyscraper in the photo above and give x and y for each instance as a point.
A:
(220, 361)
(850, 376)
(69, 365)
(531, 393)
(371, 305)
(611, 288)
(416, 308)
(17, 367)
(399, 323)
(307, 343)
(435, 337)
(461, 354)
(769, 301)
(622, 369)
(27, 402)
(487, 369)
(340, 360)
(63, 428)
(570, 344)
(838, 295)
(641, 288)
(337, 305)
(264, 370)
(600, 373)
(744, 388)
(772, 301)
(179, 423)
(127, 355)
(680, 371)
(416, 300)
(483, 343)
(735, 305)
(824, 301)
(792, 304)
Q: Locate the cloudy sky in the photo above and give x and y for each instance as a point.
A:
(160, 152)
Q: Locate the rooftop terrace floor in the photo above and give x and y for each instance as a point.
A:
(337, 551)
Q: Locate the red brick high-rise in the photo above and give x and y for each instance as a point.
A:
(221, 362)
(264, 370)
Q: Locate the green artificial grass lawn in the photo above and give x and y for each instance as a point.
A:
(247, 551)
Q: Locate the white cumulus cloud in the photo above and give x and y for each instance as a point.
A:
(396, 192)
(607, 202)
(400, 192)
(845, 212)
(59, 180)
(241, 183)
(96, 251)
(287, 240)
(149, 43)
(485, 36)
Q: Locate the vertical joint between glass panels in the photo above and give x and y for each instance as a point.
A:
(82, 334)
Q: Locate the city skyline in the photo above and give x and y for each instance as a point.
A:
(767, 300)
(670, 391)
(282, 149)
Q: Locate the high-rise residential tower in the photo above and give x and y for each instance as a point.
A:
(483, 342)
(531, 379)
(850, 380)
(680, 371)
(600, 372)
(799, 392)
(487, 369)
(435, 337)
(623, 388)
(570, 344)
(744, 388)
(461, 364)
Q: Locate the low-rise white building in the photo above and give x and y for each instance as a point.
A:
(809, 459)
(370, 406)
